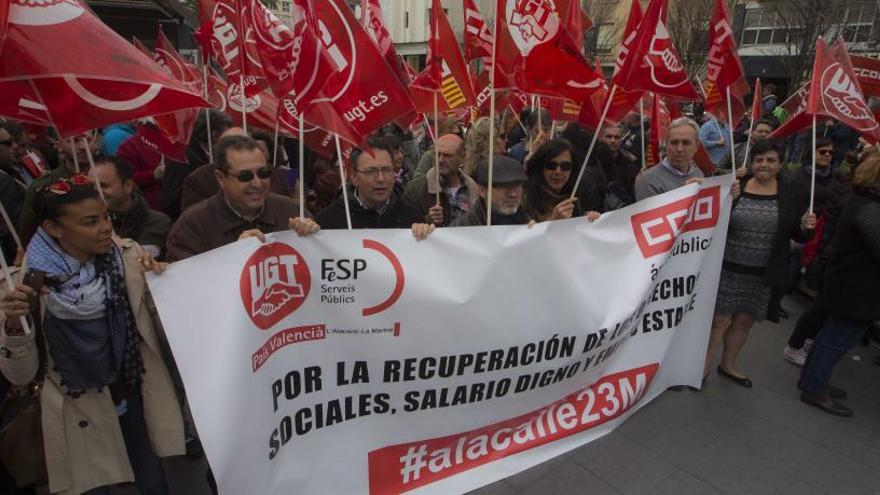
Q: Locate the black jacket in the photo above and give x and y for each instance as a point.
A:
(852, 278)
(476, 217)
(792, 204)
(830, 190)
(140, 223)
(397, 215)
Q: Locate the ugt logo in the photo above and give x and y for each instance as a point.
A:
(657, 229)
(275, 282)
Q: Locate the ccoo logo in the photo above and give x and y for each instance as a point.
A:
(656, 230)
(274, 283)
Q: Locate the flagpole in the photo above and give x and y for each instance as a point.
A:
(813, 174)
(436, 150)
(275, 145)
(730, 131)
(92, 170)
(642, 130)
(243, 102)
(75, 159)
(593, 142)
(208, 113)
(344, 188)
(302, 169)
(11, 227)
(491, 124)
(10, 285)
(518, 121)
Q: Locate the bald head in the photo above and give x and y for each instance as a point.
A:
(451, 154)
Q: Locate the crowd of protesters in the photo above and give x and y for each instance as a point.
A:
(111, 402)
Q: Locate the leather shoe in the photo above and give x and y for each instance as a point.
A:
(827, 404)
(742, 382)
(833, 392)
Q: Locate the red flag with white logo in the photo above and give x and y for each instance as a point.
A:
(446, 70)
(535, 54)
(291, 57)
(652, 64)
(868, 72)
(724, 68)
(363, 93)
(836, 93)
(167, 57)
(375, 26)
(224, 38)
(624, 101)
(61, 62)
(478, 37)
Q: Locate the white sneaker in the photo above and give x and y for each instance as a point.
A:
(794, 356)
(808, 343)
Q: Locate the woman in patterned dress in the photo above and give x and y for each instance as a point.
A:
(763, 220)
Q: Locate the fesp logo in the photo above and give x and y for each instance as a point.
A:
(657, 229)
(274, 283)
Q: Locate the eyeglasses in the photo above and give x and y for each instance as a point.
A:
(248, 175)
(824, 152)
(7, 142)
(64, 185)
(564, 166)
(372, 173)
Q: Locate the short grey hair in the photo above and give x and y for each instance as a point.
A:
(685, 121)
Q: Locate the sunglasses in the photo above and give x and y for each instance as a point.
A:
(824, 152)
(64, 185)
(247, 175)
(564, 166)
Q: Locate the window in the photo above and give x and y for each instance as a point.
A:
(285, 7)
(858, 23)
(763, 27)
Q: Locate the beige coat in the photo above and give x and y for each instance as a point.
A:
(82, 437)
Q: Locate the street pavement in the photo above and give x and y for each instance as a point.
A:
(725, 439)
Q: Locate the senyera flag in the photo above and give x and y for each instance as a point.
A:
(652, 63)
(363, 93)
(79, 73)
(446, 71)
(833, 92)
(725, 75)
(535, 54)
(223, 36)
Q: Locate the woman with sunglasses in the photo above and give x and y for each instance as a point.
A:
(552, 175)
(107, 401)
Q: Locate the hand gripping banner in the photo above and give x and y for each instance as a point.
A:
(366, 362)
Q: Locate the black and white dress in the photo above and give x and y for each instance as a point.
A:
(753, 224)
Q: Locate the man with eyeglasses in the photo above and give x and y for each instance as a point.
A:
(371, 198)
(457, 191)
(243, 207)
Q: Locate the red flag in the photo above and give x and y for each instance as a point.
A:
(375, 26)
(223, 36)
(624, 101)
(833, 92)
(840, 97)
(868, 72)
(78, 72)
(292, 58)
(478, 37)
(535, 54)
(703, 161)
(756, 103)
(576, 21)
(143, 48)
(562, 109)
(167, 57)
(446, 70)
(651, 63)
(724, 68)
(363, 93)
(652, 157)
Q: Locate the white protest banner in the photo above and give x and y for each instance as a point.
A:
(367, 362)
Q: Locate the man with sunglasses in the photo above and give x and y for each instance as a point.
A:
(243, 207)
(457, 191)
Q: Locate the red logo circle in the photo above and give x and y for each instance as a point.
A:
(275, 282)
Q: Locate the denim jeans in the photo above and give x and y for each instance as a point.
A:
(148, 474)
(836, 338)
